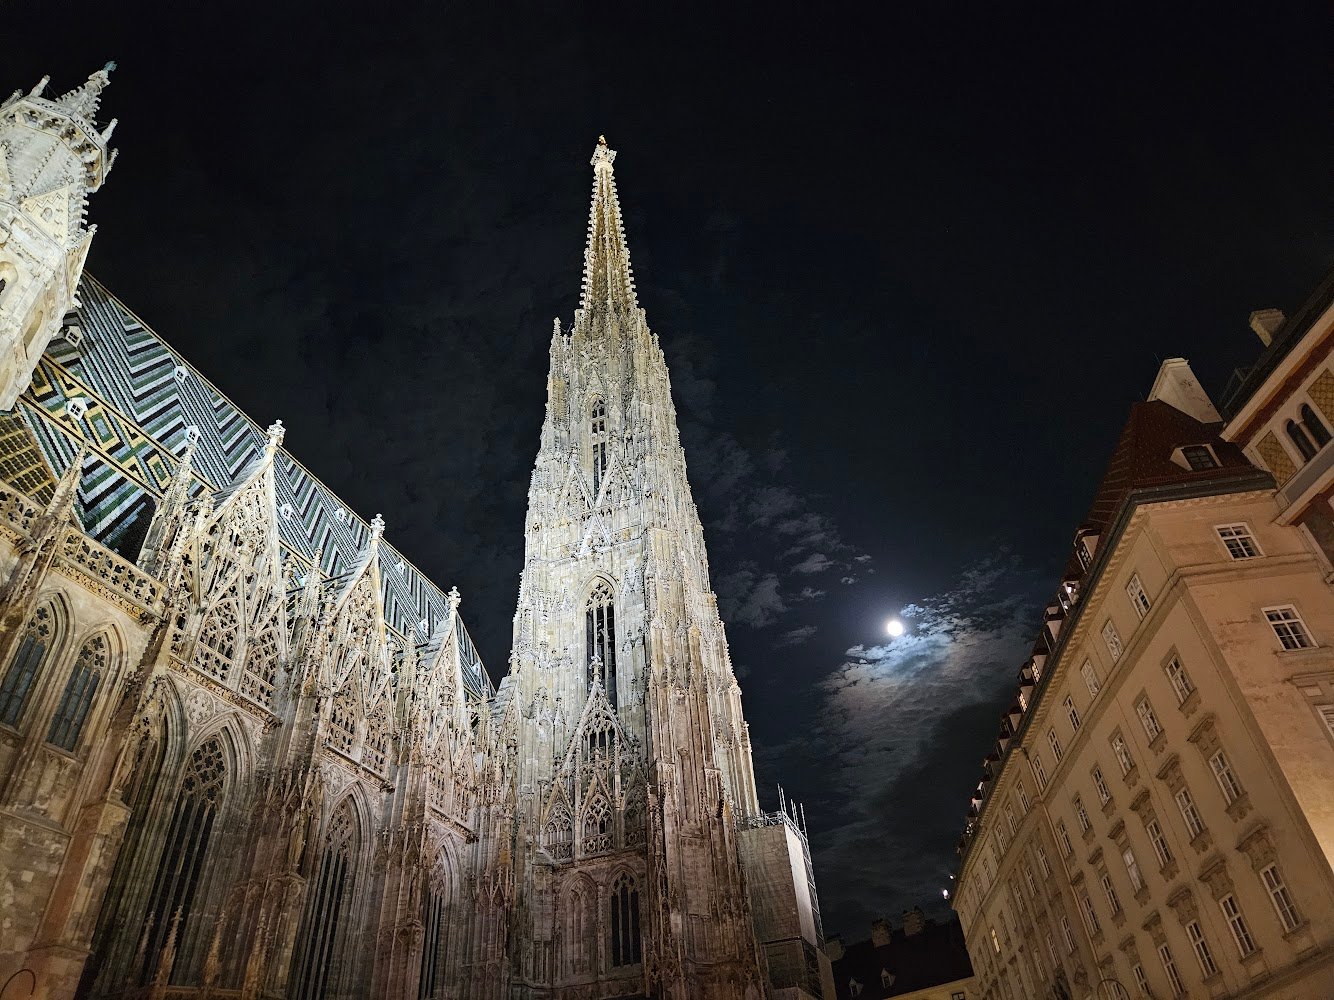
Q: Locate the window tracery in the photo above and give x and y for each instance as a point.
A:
(600, 635)
(598, 441)
(218, 638)
(80, 689)
(260, 677)
(182, 864)
(624, 926)
(597, 827)
(333, 885)
(31, 651)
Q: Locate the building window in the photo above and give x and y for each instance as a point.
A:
(1327, 717)
(1278, 895)
(182, 863)
(1024, 804)
(1081, 815)
(1199, 457)
(1039, 772)
(886, 979)
(328, 904)
(1141, 981)
(854, 987)
(1068, 934)
(1009, 817)
(1138, 599)
(1240, 542)
(625, 939)
(1104, 794)
(435, 934)
(1147, 719)
(1236, 923)
(1090, 916)
(598, 442)
(1201, 946)
(1159, 842)
(1113, 639)
(995, 941)
(1054, 742)
(1179, 679)
(1122, 753)
(1113, 901)
(1090, 678)
(1314, 426)
(1071, 713)
(77, 698)
(600, 631)
(1289, 627)
(1051, 949)
(1032, 883)
(1299, 439)
(1194, 825)
(1170, 967)
(1043, 863)
(1227, 781)
(1063, 836)
(18, 679)
(1132, 869)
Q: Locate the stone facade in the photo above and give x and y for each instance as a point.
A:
(247, 750)
(1153, 814)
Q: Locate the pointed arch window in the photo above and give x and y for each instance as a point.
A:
(261, 669)
(18, 679)
(80, 689)
(1315, 427)
(597, 830)
(217, 640)
(600, 627)
(435, 939)
(625, 942)
(188, 834)
(598, 440)
(1300, 440)
(330, 890)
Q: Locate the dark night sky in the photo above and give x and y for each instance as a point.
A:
(909, 273)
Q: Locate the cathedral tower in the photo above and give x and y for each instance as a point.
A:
(633, 776)
(51, 158)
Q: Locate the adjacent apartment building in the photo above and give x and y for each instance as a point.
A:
(1156, 817)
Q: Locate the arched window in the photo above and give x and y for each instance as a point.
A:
(329, 892)
(80, 689)
(625, 946)
(600, 626)
(18, 679)
(1300, 439)
(597, 830)
(261, 668)
(217, 640)
(188, 834)
(1315, 427)
(433, 943)
(598, 441)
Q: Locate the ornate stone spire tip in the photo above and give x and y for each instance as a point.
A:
(603, 155)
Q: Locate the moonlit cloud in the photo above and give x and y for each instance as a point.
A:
(902, 728)
(796, 636)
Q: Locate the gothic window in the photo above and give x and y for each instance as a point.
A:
(1314, 426)
(18, 679)
(600, 627)
(598, 442)
(342, 732)
(434, 941)
(1299, 438)
(261, 669)
(375, 753)
(330, 890)
(597, 831)
(560, 835)
(217, 641)
(77, 699)
(625, 944)
(187, 842)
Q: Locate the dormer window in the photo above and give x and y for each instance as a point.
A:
(886, 978)
(1199, 457)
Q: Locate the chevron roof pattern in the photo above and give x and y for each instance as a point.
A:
(133, 399)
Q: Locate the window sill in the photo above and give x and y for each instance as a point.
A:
(1131, 777)
(1142, 896)
(1087, 835)
(1202, 841)
(1191, 702)
(1239, 807)
(1316, 653)
(1159, 743)
(1109, 807)
(1169, 870)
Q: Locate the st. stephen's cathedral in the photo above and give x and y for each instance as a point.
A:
(248, 750)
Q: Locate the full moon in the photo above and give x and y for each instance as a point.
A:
(894, 627)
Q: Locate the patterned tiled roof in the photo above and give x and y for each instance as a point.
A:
(133, 399)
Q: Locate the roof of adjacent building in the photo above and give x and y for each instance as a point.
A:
(133, 399)
(935, 955)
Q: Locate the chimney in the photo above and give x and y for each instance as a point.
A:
(1177, 386)
(833, 947)
(914, 921)
(1265, 323)
(880, 933)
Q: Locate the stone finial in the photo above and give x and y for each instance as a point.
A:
(84, 100)
(377, 528)
(276, 433)
(603, 155)
(455, 599)
(38, 90)
(595, 669)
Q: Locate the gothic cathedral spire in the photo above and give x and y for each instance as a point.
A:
(608, 280)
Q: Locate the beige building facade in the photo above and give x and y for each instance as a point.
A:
(1153, 820)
